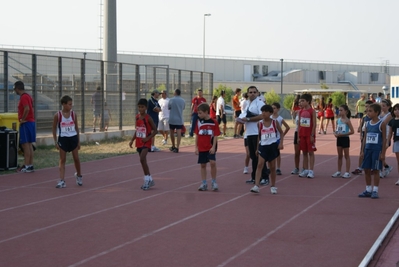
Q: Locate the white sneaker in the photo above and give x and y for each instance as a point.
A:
(215, 187)
(310, 174)
(336, 175)
(245, 170)
(303, 173)
(397, 183)
(255, 189)
(273, 190)
(155, 149)
(79, 179)
(382, 174)
(295, 171)
(346, 175)
(61, 184)
(164, 142)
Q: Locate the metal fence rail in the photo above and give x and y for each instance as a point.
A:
(48, 78)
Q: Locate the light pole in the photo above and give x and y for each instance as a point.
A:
(281, 89)
(203, 45)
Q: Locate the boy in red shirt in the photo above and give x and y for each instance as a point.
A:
(306, 134)
(206, 138)
(145, 131)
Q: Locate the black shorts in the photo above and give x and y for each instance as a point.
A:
(175, 127)
(139, 149)
(205, 157)
(237, 113)
(222, 119)
(296, 138)
(269, 152)
(68, 144)
(245, 142)
(343, 142)
(360, 115)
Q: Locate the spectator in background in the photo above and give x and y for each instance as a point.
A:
(176, 107)
(153, 109)
(379, 98)
(27, 126)
(237, 111)
(213, 107)
(220, 111)
(163, 115)
(97, 106)
(360, 108)
(107, 116)
(195, 102)
(371, 98)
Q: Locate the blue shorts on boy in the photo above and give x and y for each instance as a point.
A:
(371, 160)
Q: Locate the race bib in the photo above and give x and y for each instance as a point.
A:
(141, 132)
(372, 138)
(68, 126)
(267, 133)
(205, 132)
(305, 122)
(341, 128)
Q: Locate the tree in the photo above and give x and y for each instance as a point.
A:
(228, 90)
(271, 97)
(338, 99)
(323, 86)
(288, 101)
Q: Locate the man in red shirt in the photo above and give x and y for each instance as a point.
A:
(198, 100)
(27, 128)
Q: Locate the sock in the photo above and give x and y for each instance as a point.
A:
(375, 188)
(146, 178)
(214, 180)
(368, 188)
(149, 177)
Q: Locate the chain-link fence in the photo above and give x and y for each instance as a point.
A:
(48, 78)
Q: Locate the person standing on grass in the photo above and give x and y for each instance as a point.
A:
(65, 122)
(394, 133)
(220, 111)
(163, 115)
(270, 141)
(275, 116)
(374, 151)
(195, 102)
(344, 129)
(251, 116)
(153, 110)
(306, 135)
(107, 116)
(97, 107)
(206, 140)
(176, 122)
(360, 130)
(145, 131)
(237, 111)
(27, 126)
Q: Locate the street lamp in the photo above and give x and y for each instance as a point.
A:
(203, 46)
(281, 78)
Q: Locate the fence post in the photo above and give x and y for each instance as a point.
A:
(179, 80)
(34, 91)
(59, 81)
(138, 82)
(102, 95)
(5, 80)
(82, 92)
(120, 96)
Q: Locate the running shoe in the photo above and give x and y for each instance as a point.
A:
(346, 175)
(175, 150)
(164, 142)
(295, 171)
(397, 183)
(215, 187)
(374, 195)
(357, 171)
(79, 179)
(146, 185)
(303, 173)
(336, 175)
(264, 182)
(245, 170)
(203, 187)
(278, 172)
(365, 194)
(273, 190)
(310, 175)
(27, 169)
(172, 148)
(255, 189)
(61, 184)
(250, 181)
(155, 149)
(382, 174)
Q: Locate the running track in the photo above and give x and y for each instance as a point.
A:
(111, 222)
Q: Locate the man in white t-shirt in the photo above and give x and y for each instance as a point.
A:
(220, 111)
(163, 115)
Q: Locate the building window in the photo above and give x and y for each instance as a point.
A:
(265, 70)
(256, 69)
(374, 77)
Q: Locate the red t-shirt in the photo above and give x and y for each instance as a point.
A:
(212, 112)
(206, 130)
(26, 100)
(196, 102)
(305, 122)
(329, 111)
(143, 129)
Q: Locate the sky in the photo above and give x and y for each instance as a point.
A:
(349, 31)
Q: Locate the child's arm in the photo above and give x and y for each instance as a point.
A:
(214, 143)
(133, 138)
(196, 144)
(281, 145)
(351, 130)
(287, 127)
(390, 132)
(55, 125)
(312, 136)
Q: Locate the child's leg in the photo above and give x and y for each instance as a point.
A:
(397, 160)
(261, 163)
(247, 157)
(327, 121)
(143, 161)
(311, 160)
(76, 161)
(367, 176)
(278, 162)
(213, 169)
(203, 172)
(272, 166)
(62, 164)
(297, 156)
(340, 155)
(376, 174)
(305, 162)
(347, 158)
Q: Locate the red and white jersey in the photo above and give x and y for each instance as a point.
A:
(268, 134)
(305, 122)
(66, 126)
(206, 130)
(143, 129)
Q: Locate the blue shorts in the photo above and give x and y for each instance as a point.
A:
(175, 127)
(68, 144)
(371, 160)
(269, 152)
(205, 157)
(27, 132)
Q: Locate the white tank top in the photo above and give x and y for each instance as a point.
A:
(66, 125)
(268, 135)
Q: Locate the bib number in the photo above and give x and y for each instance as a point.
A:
(372, 138)
(141, 132)
(305, 122)
(67, 127)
